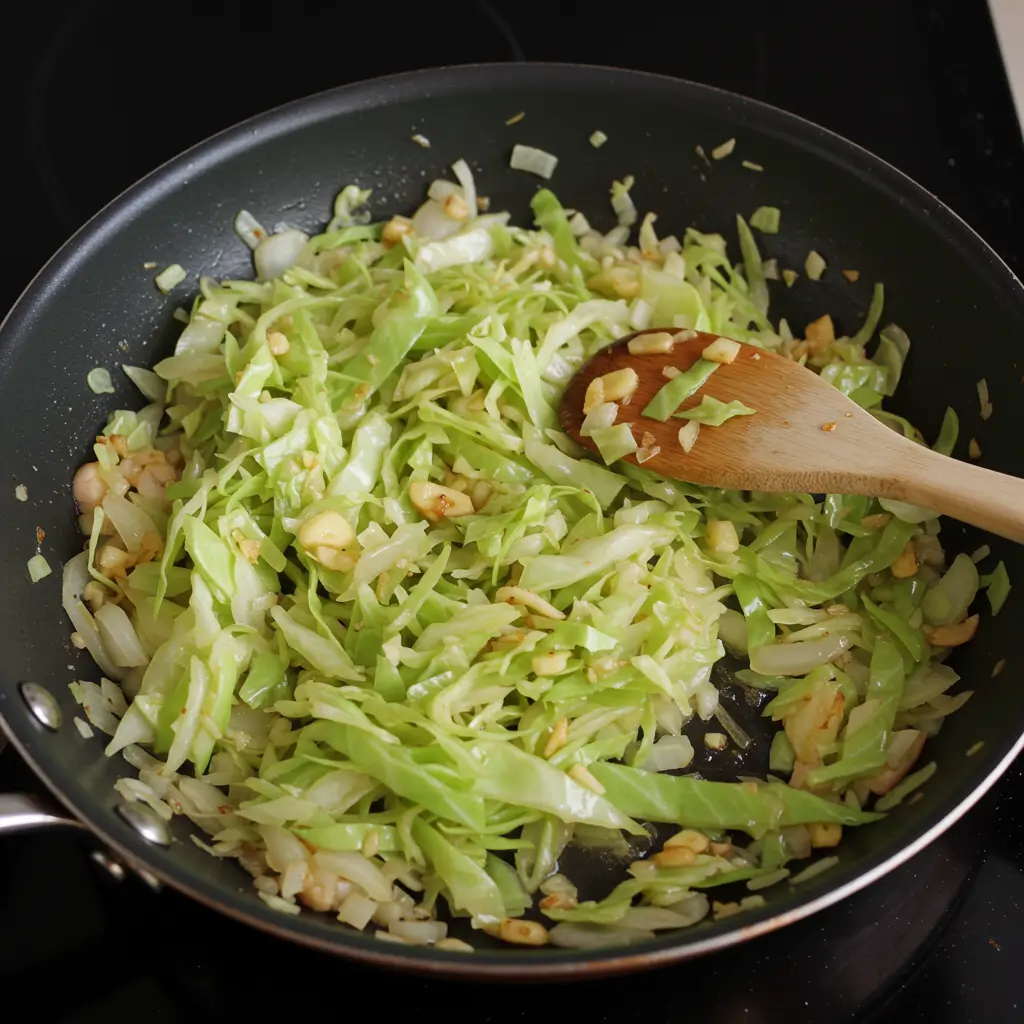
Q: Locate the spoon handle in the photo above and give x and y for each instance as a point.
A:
(992, 501)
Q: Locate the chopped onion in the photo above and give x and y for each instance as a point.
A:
(430, 221)
(461, 171)
(278, 253)
(249, 229)
(421, 140)
(76, 575)
(38, 568)
(983, 398)
(622, 203)
(99, 381)
(688, 435)
(419, 933)
(692, 908)
(736, 732)
(119, 636)
(721, 151)
(170, 278)
(814, 266)
(573, 935)
(598, 139)
(819, 867)
(356, 868)
(536, 161)
(652, 919)
(799, 658)
(579, 225)
(131, 523)
(84, 728)
(668, 754)
(21, 492)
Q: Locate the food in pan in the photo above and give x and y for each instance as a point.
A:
(367, 617)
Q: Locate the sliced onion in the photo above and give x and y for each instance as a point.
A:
(692, 908)
(461, 170)
(283, 848)
(356, 868)
(129, 520)
(797, 659)
(430, 221)
(572, 935)
(76, 576)
(279, 253)
(536, 161)
(732, 630)
(420, 933)
(668, 754)
(653, 919)
(249, 229)
(119, 637)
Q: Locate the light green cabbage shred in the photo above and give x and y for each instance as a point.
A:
(385, 607)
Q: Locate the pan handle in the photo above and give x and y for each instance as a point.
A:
(25, 812)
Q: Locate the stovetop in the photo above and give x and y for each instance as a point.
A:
(98, 96)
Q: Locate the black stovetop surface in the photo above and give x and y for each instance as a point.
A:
(97, 94)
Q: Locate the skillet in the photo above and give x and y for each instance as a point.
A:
(95, 304)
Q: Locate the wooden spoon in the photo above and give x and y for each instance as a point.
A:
(806, 436)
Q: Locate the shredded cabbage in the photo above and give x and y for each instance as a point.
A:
(379, 622)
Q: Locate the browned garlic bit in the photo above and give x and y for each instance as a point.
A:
(647, 344)
(953, 635)
(395, 230)
(326, 536)
(523, 933)
(435, 503)
(721, 350)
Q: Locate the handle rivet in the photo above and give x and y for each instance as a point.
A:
(42, 704)
(146, 822)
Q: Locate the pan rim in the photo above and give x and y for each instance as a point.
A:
(438, 82)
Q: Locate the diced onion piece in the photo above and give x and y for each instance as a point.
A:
(789, 277)
(38, 568)
(598, 139)
(814, 266)
(84, 728)
(751, 166)
(21, 492)
(279, 253)
(249, 229)
(170, 278)
(721, 151)
(357, 910)
(99, 381)
(119, 636)
(668, 754)
(766, 219)
(770, 270)
(419, 933)
(535, 161)
(983, 398)
(421, 140)
(688, 435)
(622, 204)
